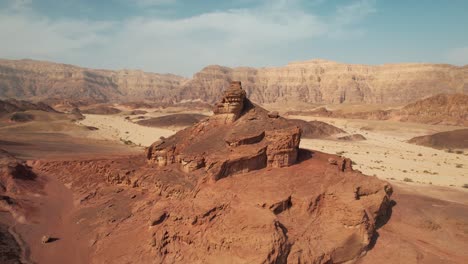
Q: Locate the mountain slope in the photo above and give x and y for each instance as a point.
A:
(321, 81)
(315, 81)
(37, 80)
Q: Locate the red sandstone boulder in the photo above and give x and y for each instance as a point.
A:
(240, 137)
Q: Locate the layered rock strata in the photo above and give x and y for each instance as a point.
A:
(240, 137)
(316, 81)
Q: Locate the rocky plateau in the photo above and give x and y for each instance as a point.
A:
(316, 81)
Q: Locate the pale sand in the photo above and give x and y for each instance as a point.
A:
(386, 155)
(115, 127)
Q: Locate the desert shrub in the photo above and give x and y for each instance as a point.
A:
(127, 142)
(408, 180)
(459, 166)
(459, 152)
(465, 185)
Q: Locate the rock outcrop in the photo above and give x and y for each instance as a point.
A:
(441, 109)
(320, 81)
(316, 129)
(315, 81)
(455, 139)
(238, 138)
(12, 106)
(38, 80)
(173, 120)
(235, 190)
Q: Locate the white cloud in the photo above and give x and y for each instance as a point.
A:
(458, 56)
(256, 36)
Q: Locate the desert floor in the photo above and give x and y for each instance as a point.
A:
(425, 217)
(384, 154)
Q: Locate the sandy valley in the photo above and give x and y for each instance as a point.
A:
(385, 153)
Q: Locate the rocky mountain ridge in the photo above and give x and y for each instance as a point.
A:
(316, 81)
(38, 80)
(441, 109)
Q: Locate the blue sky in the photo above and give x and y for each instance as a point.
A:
(182, 36)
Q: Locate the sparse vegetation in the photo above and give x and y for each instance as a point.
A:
(408, 180)
(465, 185)
(459, 166)
(127, 142)
(419, 155)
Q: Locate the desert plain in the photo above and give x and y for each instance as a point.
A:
(234, 179)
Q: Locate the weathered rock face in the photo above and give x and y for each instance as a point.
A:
(320, 81)
(12, 105)
(315, 81)
(240, 137)
(17, 181)
(441, 109)
(28, 79)
(312, 212)
(232, 103)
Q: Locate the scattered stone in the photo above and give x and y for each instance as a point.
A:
(46, 239)
(159, 218)
(273, 114)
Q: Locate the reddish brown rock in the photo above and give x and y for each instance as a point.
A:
(238, 192)
(353, 137)
(240, 137)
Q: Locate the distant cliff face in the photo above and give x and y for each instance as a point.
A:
(329, 82)
(28, 79)
(316, 81)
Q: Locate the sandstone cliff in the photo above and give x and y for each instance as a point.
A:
(39, 80)
(315, 81)
(320, 81)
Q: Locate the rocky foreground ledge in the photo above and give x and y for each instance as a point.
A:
(234, 188)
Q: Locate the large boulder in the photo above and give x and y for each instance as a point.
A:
(240, 137)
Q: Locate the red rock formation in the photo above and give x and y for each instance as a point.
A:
(313, 212)
(240, 137)
(238, 192)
